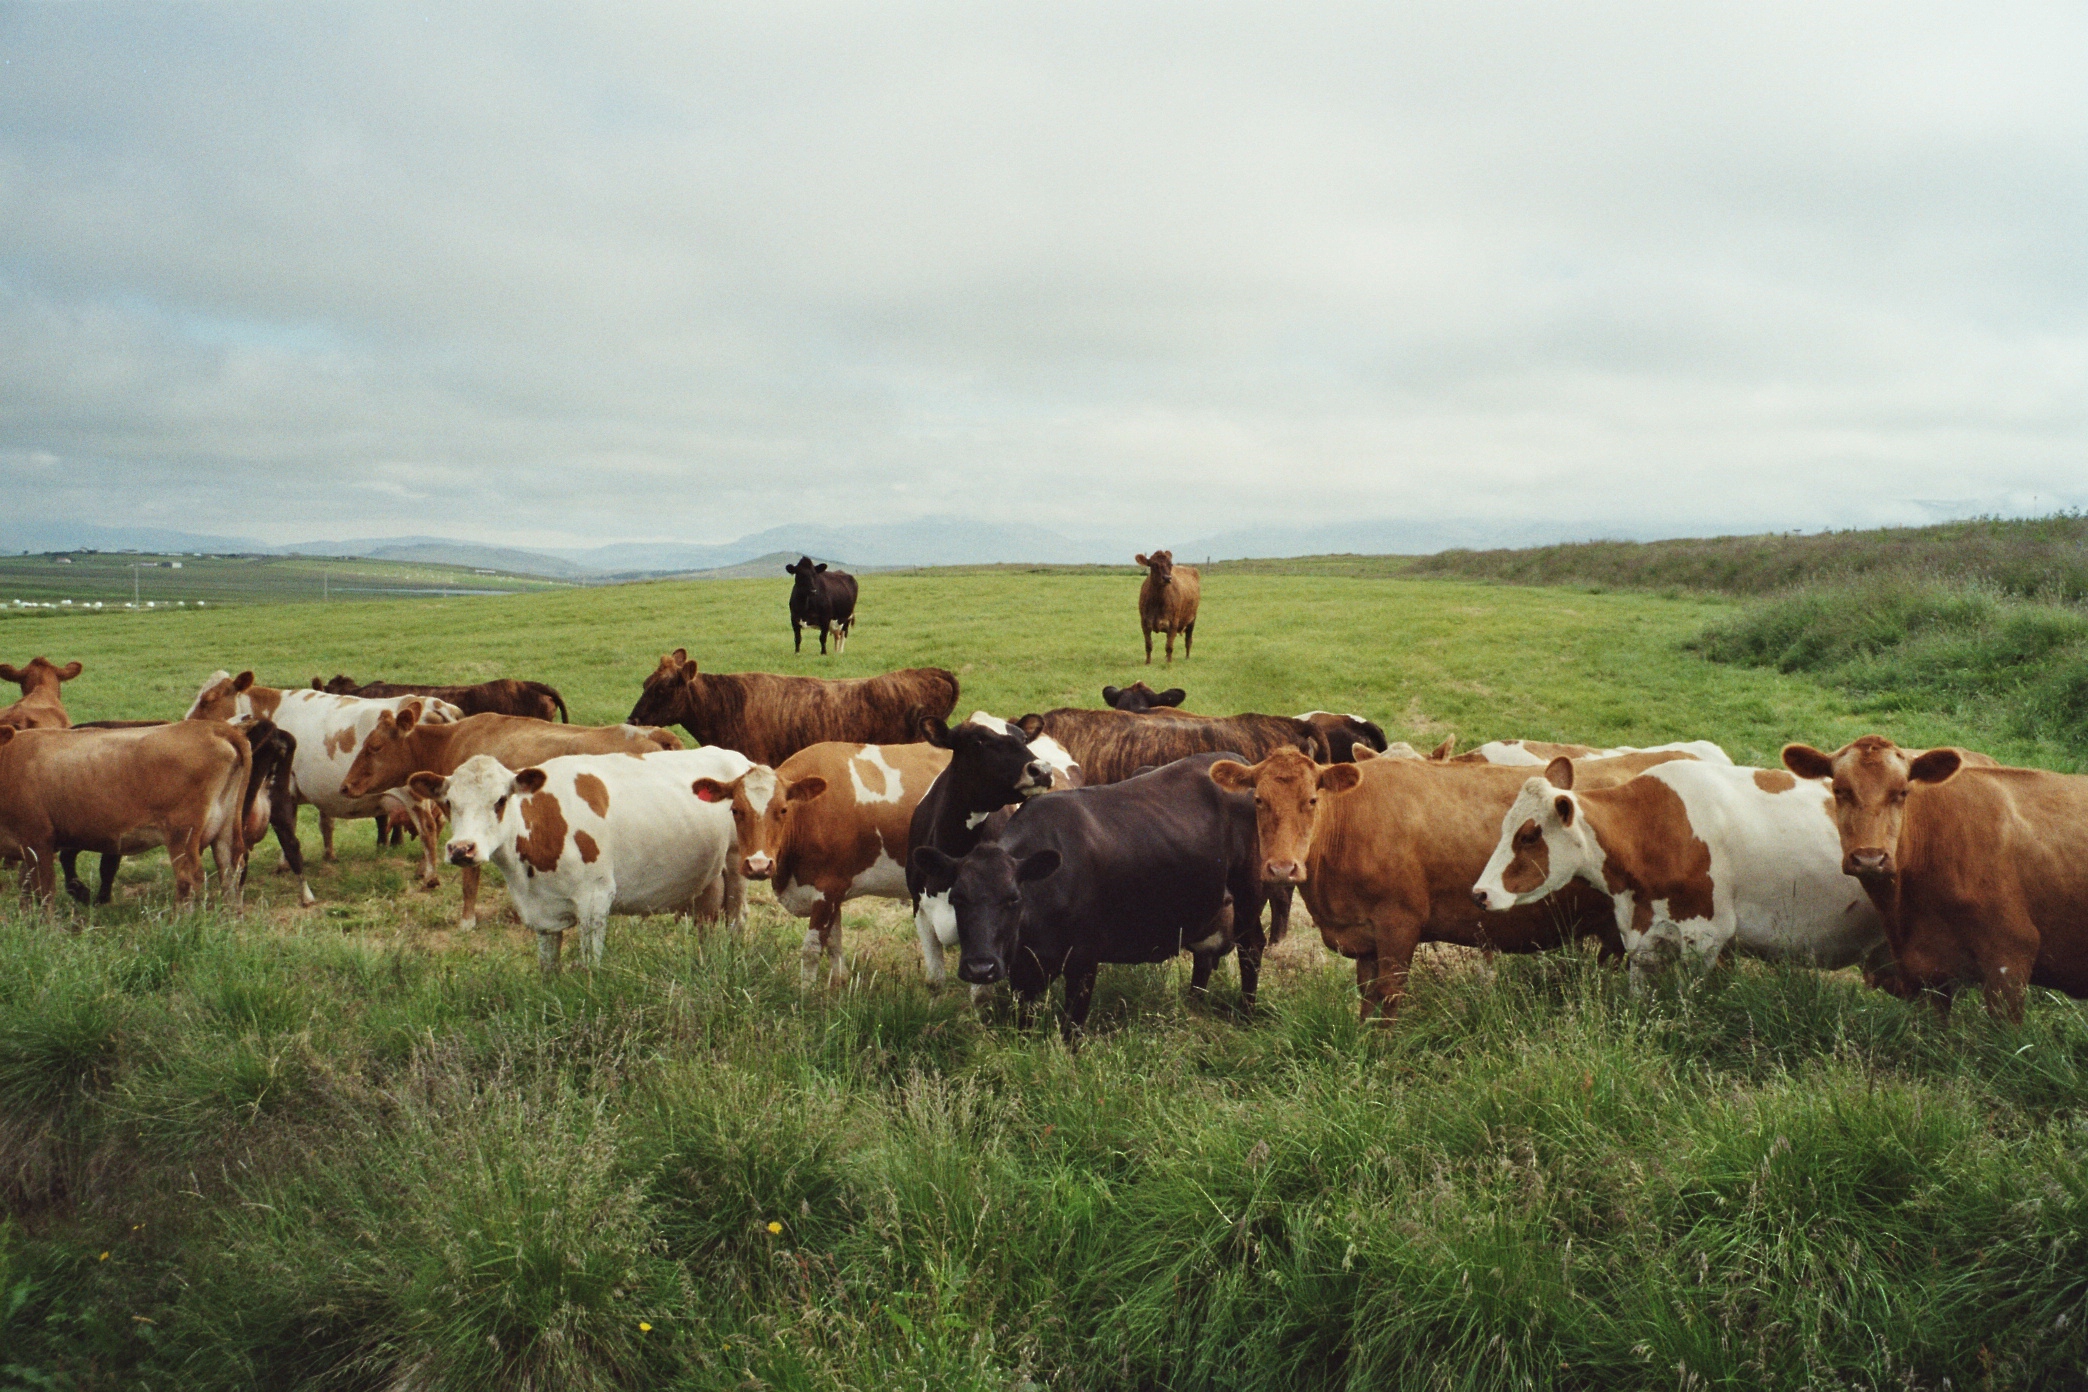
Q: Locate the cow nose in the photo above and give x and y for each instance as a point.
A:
(1040, 774)
(1482, 898)
(1868, 861)
(979, 971)
(757, 867)
(1285, 872)
(462, 852)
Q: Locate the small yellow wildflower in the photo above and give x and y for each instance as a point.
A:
(774, 1228)
(644, 1328)
(103, 1257)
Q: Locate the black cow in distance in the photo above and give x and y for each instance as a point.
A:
(822, 599)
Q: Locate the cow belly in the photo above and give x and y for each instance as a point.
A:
(885, 879)
(798, 899)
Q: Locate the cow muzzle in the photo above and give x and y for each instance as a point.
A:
(757, 866)
(463, 853)
(1868, 860)
(1036, 779)
(979, 971)
(1284, 872)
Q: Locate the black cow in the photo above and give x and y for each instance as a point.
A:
(1139, 698)
(1344, 732)
(1137, 871)
(269, 774)
(824, 599)
(991, 768)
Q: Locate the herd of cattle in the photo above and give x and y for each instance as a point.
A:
(1051, 844)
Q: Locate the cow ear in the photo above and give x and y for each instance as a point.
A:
(680, 655)
(432, 786)
(819, 569)
(7, 732)
(1563, 805)
(530, 780)
(1232, 775)
(1031, 725)
(318, 685)
(936, 731)
(1339, 778)
(1935, 766)
(1559, 772)
(1140, 560)
(1173, 696)
(1445, 749)
(711, 790)
(407, 717)
(934, 864)
(1808, 762)
(1036, 865)
(68, 671)
(806, 789)
(1361, 753)
(242, 681)
(10, 672)
(1110, 694)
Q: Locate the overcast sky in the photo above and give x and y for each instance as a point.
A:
(592, 274)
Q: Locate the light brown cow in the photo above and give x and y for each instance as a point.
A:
(829, 825)
(1980, 872)
(1385, 853)
(1167, 602)
(401, 744)
(39, 708)
(119, 792)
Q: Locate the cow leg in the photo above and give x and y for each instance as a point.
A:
(469, 881)
(230, 853)
(185, 850)
(1187, 634)
(1170, 647)
(1149, 647)
(427, 825)
(593, 925)
(1382, 976)
(549, 941)
(326, 837)
(1080, 995)
(797, 634)
(814, 946)
(282, 815)
(40, 873)
(837, 972)
(110, 862)
(69, 861)
(732, 900)
(931, 946)
(1201, 965)
(1250, 945)
(1280, 897)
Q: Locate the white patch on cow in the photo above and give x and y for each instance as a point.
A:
(1210, 944)
(991, 722)
(973, 821)
(894, 784)
(885, 878)
(941, 917)
(760, 784)
(1053, 754)
(798, 899)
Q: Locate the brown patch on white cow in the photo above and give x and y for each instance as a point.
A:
(594, 792)
(585, 844)
(1532, 864)
(1774, 780)
(543, 836)
(1652, 835)
(341, 741)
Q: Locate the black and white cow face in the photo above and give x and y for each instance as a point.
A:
(1139, 698)
(985, 891)
(989, 767)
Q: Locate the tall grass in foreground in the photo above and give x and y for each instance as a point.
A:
(238, 1160)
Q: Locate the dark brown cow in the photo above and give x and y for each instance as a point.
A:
(506, 696)
(121, 791)
(1111, 745)
(1343, 733)
(823, 600)
(1386, 852)
(1980, 872)
(768, 718)
(39, 708)
(1168, 601)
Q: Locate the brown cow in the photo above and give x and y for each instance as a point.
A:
(768, 718)
(1980, 872)
(401, 745)
(830, 825)
(121, 791)
(1112, 745)
(39, 708)
(506, 696)
(1167, 602)
(1386, 851)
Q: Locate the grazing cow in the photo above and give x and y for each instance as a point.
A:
(268, 802)
(992, 770)
(506, 696)
(1695, 854)
(1137, 871)
(1520, 753)
(1980, 871)
(401, 744)
(830, 825)
(121, 791)
(1386, 851)
(1167, 602)
(769, 718)
(1112, 745)
(823, 599)
(39, 708)
(587, 835)
(328, 730)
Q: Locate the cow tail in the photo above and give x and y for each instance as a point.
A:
(233, 806)
(559, 701)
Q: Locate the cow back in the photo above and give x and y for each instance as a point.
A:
(1111, 745)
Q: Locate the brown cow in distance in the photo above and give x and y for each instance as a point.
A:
(1112, 745)
(504, 696)
(1167, 602)
(1344, 733)
(1980, 872)
(39, 708)
(768, 718)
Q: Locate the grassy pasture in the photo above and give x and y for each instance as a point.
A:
(350, 1147)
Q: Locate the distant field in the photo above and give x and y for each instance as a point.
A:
(108, 577)
(352, 1147)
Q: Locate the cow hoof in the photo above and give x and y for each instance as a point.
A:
(305, 897)
(466, 924)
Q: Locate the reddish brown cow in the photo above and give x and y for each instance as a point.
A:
(1980, 872)
(768, 718)
(121, 791)
(1386, 851)
(506, 696)
(1112, 745)
(1168, 601)
(39, 708)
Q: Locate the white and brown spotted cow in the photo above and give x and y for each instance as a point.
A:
(1697, 855)
(1522, 753)
(587, 835)
(829, 825)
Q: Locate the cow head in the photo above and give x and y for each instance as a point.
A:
(41, 675)
(1138, 697)
(805, 569)
(341, 685)
(219, 698)
(985, 894)
(387, 757)
(1871, 779)
(1287, 788)
(477, 798)
(1544, 843)
(666, 693)
(1159, 565)
(762, 803)
(991, 765)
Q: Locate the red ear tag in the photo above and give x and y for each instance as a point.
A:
(708, 795)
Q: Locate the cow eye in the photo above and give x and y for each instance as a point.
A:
(1899, 795)
(500, 807)
(1842, 795)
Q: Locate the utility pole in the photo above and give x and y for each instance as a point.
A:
(134, 586)
(325, 589)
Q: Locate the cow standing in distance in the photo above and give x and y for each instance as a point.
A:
(829, 825)
(1980, 871)
(504, 696)
(1698, 855)
(40, 707)
(821, 599)
(768, 718)
(1167, 602)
